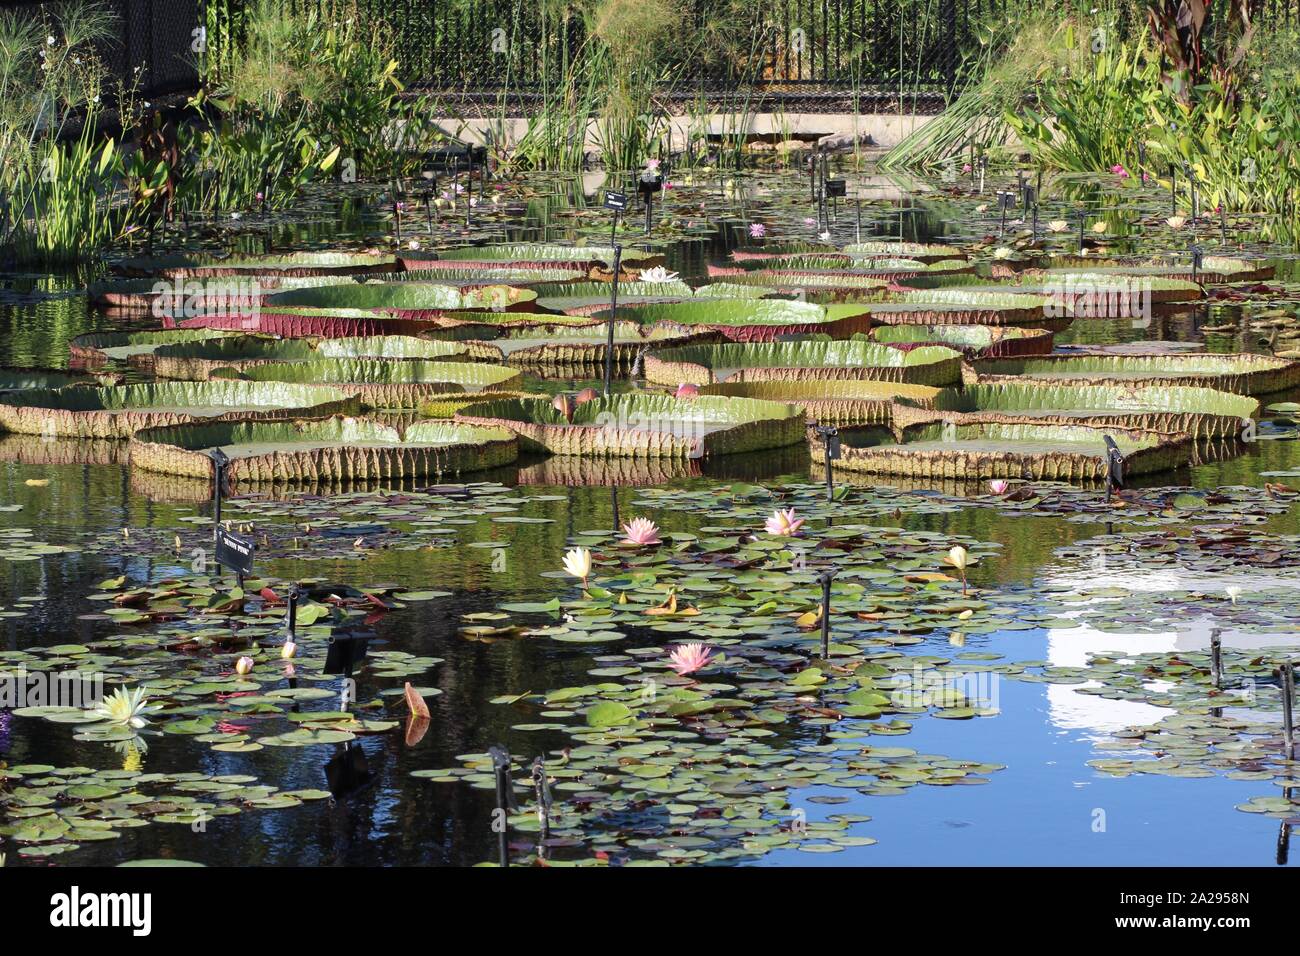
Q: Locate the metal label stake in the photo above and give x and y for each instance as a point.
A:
(830, 436)
(825, 579)
(1114, 466)
(505, 799)
(613, 311)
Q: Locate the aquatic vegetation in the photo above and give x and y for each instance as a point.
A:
(379, 383)
(94, 350)
(19, 379)
(644, 426)
(404, 300)
(329, 449)
(748, 321)
(973, 341)
(832, 401)
(199, 358)
(802, 361)
(979, 448)
(119, 411)
(274, 267)
(1244, 373)
(1204, 413)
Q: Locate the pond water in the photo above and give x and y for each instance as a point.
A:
(1046, 805)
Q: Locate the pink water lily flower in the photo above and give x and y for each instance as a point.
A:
(784, 523)
(1119, 170)
(641, 532)
(998, 486)
(757, 230)
(688, 658)
(966, 167)
(687, 390)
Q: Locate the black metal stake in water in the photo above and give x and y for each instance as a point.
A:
(291, 615)
(984, 169)
(1114, 466)
(1173, 191)
(1191, 184)
(613, 311)
(505, 800)
(857, 215)
(542, 793)
(830, 436)
(1286, 684)
(1197, 261)
(219, 462)
(1216, 658)
(825, 579)
(1142, 159)
(1002, 210)
(1223, 223)
(1081, 247)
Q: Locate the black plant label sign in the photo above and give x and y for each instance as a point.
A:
(836, 188)
(235, 551)
(615, 200)
(833, 447)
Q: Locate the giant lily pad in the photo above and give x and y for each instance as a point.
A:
(196, 360)
(16, 379)
(987, 448)
(404, 300)
(331, 449)
(1212, 268)
(117, 412)
(386, 384)
(592, 260)
(286, 264)
(922, 252)
(830, 402)
(961, 307)
(644, 426)
(1199, 412)
(760, 320)
(792, 361)
(582, 298)
(1243, 373)
(94, 350)
(973, 341)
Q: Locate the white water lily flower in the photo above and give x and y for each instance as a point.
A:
(958, 557)
(127, 707)
(1002, 252)
(1176, 222)
(577, 562)
(1233, 591)
(1099, 226)
(658, 275)
(1058, 225)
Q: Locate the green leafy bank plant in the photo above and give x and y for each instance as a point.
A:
(59, 178)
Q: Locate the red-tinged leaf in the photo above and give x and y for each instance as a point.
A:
(269, 596)
(415, 703)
